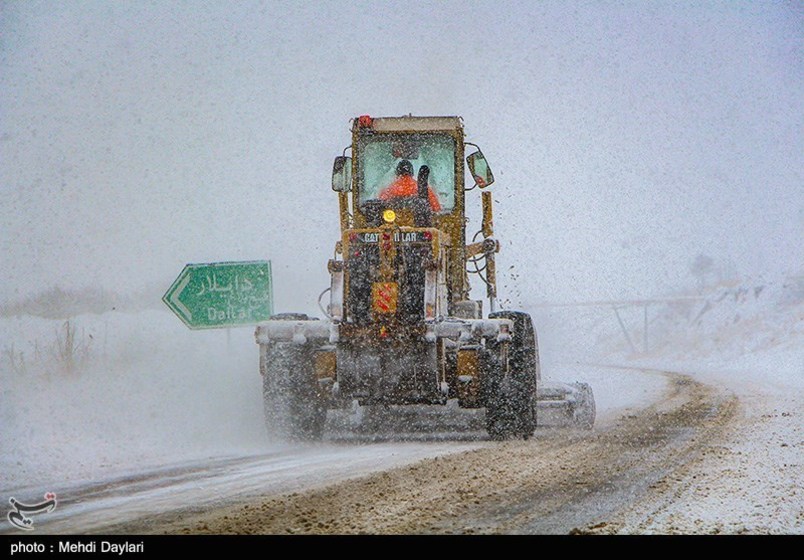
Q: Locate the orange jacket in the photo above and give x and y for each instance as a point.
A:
(406, 185)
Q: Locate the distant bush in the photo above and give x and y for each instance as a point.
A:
(68, 353)
(71, 349)
(57, 303)
(60, 303)
(15, 359)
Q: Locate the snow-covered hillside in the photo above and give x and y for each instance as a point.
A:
(755, 328)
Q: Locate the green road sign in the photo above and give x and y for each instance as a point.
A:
(217, 295)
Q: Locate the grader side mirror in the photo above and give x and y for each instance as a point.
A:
(342, 174)
(480, 170)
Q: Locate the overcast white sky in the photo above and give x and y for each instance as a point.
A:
(626, 137)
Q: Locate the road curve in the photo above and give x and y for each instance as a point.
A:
(559, 482)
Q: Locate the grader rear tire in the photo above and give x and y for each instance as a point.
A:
(292, 407)
(499, 416)
(511, 391)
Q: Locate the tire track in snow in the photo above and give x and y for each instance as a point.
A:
(558, 482)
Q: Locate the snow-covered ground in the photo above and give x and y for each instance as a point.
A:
(747, 340)
(146, 391)
(752, 481)
(143, 392)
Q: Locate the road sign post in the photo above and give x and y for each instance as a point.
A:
(221, 295)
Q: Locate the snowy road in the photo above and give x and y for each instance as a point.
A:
(670, 453)
(140, 498)
(198, 487)
(558, 482)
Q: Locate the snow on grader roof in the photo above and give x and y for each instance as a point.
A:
(411, 123)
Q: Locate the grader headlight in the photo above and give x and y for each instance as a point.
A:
(389, 216)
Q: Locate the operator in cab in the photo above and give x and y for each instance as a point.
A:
(405, 185)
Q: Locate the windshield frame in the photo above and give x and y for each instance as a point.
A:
(443, 176)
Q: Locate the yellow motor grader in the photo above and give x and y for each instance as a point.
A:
(400, 326)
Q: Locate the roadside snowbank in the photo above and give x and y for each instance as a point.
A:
(142, 390)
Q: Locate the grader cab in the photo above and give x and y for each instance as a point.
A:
(400, 326)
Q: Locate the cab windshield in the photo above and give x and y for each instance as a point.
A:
(379, 155)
